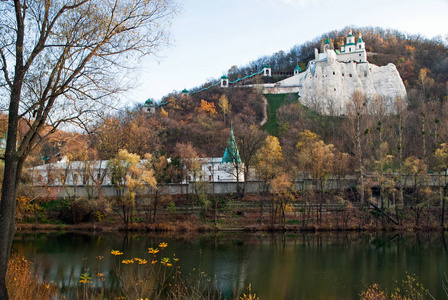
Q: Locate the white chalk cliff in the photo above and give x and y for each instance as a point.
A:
(328, 86)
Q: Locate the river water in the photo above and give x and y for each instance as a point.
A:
(278, 266)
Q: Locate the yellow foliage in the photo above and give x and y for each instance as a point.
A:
(269, 158)
(415, 166)
(163, 113)
(207, 108)
(305, 138)
(316, 157)
(224, 104)
(281, 184)
(441, 156)
(23, 284)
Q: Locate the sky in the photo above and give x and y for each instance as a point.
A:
(208, 37)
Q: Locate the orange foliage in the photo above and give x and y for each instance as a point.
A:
(207, 108)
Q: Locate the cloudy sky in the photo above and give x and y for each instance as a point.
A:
(210, 36)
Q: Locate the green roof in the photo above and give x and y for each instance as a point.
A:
(231, 154)
(327, 41)
(360, 40)
(184, 91)
(224, 77)
(149, 102)
(350, 44)
(298, 68)
(266, 66)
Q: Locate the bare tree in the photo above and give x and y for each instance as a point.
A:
(59, 60)
(249, 139)
(356, 110)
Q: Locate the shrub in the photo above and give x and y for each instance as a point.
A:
(22, 284)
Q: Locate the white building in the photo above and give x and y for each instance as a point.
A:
(352, 51)
(71, 173)
(88, 173)
(214, 170)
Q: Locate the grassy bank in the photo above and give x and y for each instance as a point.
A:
(252, 213)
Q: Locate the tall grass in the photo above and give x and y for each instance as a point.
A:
(23, 284)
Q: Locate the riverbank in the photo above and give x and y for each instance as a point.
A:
(252, 213)
(195, 227)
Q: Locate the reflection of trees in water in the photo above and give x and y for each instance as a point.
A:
(291, 265)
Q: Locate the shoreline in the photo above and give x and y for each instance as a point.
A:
(190, 228)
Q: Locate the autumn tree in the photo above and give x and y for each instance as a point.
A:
(425, 82)
(281, 188)
(355, 113)
(127, 176)
(189, 164)
(441, 164)
(400, 109)
(207, 108)
(59, 63)
(128, 130)
(225, 106)
(163, 173)
(416, 169)
(379, 111)
(317, 159)
(268, 164)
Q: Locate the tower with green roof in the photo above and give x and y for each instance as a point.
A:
(353, 51)
(150, 107)
(224, 81)
(360, 45)
(297, 70)
(231, 154)
(267, 70)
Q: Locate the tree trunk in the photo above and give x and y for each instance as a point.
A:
(442, 221)
(358, 144)
(13, 165)
(36, 219)
(7, 221)
(156, 199)
(216, 212)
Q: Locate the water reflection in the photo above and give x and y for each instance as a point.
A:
(279, 266)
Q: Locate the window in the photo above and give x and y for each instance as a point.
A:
(359, 54)
(209, 168)
(350, 75)
(335, 90)
(218, 177)
(334, 73)
(360, 47)
(209, 178)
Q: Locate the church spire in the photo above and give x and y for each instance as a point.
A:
(231, 154)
